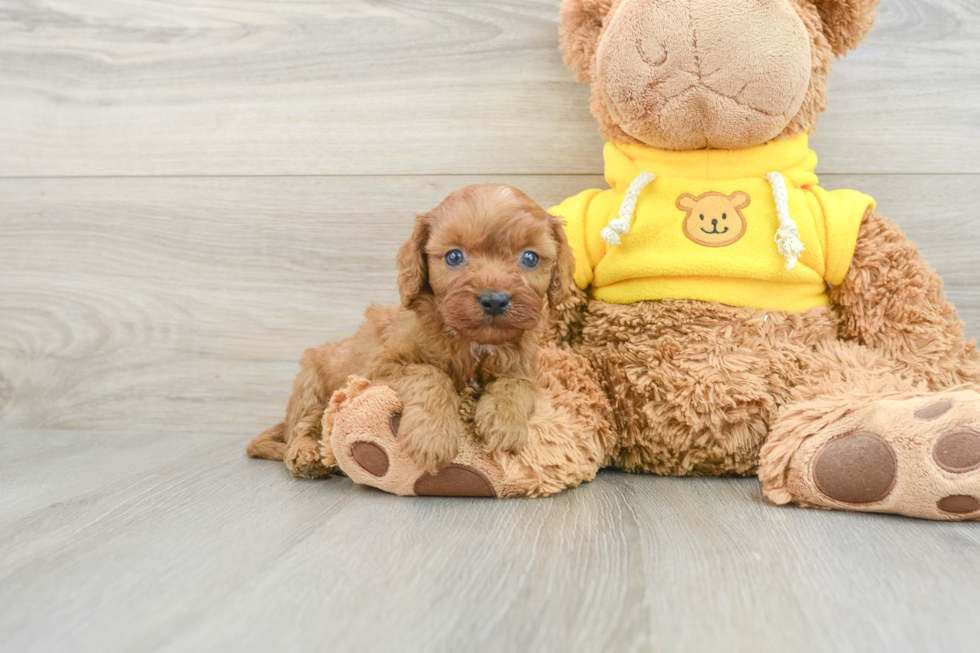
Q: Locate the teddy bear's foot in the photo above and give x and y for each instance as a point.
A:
(913, 454)
(363, 423)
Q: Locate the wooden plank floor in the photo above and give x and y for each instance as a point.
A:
(148, 541)
(192, 193)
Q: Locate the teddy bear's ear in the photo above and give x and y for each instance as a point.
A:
(581, 22)
(846, 22)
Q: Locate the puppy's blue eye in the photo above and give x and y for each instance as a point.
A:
(529, 260)
(454, 257)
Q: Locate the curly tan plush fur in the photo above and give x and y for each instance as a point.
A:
(701, 388)
(892, 302)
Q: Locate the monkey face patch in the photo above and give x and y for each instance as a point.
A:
(714, 219)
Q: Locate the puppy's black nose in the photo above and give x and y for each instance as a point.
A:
(495, 303)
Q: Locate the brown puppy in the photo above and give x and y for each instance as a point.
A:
(475, 278)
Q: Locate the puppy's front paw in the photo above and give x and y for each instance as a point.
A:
(502, 424)
(431, 441)
(303, 459)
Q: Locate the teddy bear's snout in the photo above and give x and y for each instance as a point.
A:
(729, 74)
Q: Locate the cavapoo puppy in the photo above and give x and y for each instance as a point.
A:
(476, 279)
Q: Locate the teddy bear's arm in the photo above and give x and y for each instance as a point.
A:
(566, 317)
(892, 301)
(575, 213)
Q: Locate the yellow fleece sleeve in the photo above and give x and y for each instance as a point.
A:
(843, 211)
(573, 211)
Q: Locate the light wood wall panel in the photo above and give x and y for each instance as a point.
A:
(142, 87)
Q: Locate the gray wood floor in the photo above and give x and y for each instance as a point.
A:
(191, 193)
(152, 541)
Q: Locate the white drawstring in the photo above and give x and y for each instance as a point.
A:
(787, 236)
(621, 226)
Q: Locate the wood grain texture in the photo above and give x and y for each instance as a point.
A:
(186, 303)
(143, 87)
(142, 541)
(192, 193)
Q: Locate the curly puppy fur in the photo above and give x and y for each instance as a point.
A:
(442, 339)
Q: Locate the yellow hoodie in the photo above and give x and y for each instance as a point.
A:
(740, 227)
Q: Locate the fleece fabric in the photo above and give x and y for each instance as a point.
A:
(705, 228)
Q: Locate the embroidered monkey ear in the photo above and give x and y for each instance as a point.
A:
(740, 200)
(581, 22)
(846, 22)
(686, 202)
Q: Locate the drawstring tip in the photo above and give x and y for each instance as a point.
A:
(609, 236)
(621, 224)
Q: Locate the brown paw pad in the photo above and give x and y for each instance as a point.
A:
(455, 481)
(934, 410)
(857, 468)
(958, 451)
(959, 504)
(371, 457)
(395, 423)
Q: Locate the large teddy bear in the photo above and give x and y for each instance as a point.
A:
(730, 315)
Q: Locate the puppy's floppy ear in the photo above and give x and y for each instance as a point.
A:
(846, 22)
(562, 275)
(413, 267)
(581, 22)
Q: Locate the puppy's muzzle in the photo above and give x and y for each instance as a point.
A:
(495, 303)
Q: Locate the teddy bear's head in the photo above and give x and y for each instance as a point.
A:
(693, 74)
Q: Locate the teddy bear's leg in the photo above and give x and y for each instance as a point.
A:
(568, 437)
(695, 385)
(892, 302)
(859, 438)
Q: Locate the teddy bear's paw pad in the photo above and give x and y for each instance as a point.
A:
(371, 457)
(958, 451)
(455, 481)
(959, 504)
(857, 468)
(364, 436)
(913, 455)
(933, 410)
